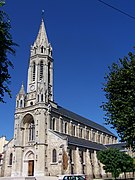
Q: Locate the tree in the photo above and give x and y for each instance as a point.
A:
(133, 166)
(115, 161)
(110, 159)
(6, 47)
(119, 88)
(126, 163)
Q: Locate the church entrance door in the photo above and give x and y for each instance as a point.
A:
(31, 168)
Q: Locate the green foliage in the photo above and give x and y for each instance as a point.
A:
(115, 161)
(134, 164)
(126, 163)
(6, 47)
(110, 158)
(119, 91)
(2, 3)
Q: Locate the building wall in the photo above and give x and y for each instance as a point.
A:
(8, 159)
(79, 160)
(60, 145)
(3, 141)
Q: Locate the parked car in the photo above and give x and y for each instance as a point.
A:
(72, 177)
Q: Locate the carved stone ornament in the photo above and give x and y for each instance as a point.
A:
(37, 112)
(44, 111)
(49, 107)
(17, 116)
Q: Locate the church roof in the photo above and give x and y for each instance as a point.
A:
(42, 36)
(73, 116)
(120, 146)
(82, 142)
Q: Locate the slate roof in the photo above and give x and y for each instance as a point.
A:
(80, 119)
(120, 146)
(81, 142)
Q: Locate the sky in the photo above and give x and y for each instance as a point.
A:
(86, 35)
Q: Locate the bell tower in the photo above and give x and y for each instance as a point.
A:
(40, 71)
(32, 114)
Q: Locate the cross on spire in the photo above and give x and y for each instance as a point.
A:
(43, 13)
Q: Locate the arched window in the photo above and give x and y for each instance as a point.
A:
(62, 126)
(31, 131)
(49, 72)
(10, 159)
(80, 133)
(66, 128)
(21, 102)
(99, 138)
(54, 156)
(108, 140)
(42, 49)
(87, 134)
(54, 124)
(34, 70)
(41, 70)
(93, 136)
(73, 130)
(38, 97)
(103, 139)
(42, 98)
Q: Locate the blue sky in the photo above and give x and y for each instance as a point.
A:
(86, 37)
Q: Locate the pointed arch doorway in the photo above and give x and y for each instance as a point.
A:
(28, 164)
(31, 168)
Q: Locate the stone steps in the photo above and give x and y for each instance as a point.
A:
(30, 178)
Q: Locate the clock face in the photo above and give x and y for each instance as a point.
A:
(32, 87)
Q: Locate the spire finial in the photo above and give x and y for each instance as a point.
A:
(43, 13)
(42, 36)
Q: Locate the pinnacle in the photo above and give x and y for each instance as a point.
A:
(41, 39)
(22, 89)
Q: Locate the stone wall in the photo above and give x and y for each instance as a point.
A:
(8, 159)
(56, 142)
(3, 141)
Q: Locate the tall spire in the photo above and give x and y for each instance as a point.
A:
(41, 39)
(40, 72)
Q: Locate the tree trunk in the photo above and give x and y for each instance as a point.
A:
(115, 177)
(133, 174)
(125, 174)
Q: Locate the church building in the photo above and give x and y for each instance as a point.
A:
(50, 140)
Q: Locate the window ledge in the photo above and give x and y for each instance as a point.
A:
(54, 163)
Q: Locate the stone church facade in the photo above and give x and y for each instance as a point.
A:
(50, 140)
